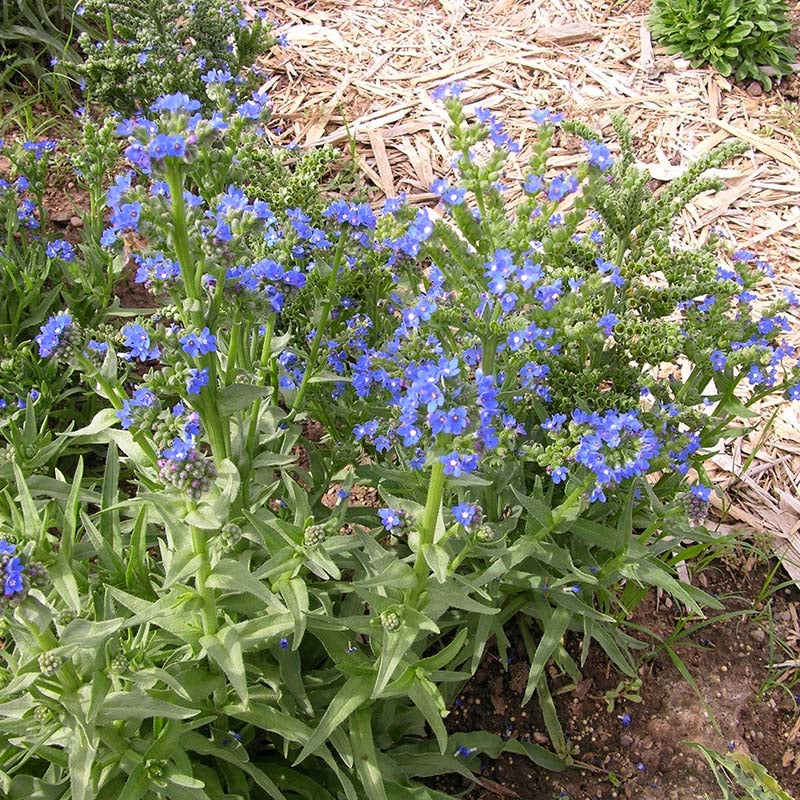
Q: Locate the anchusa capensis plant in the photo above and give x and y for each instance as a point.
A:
(156, 47)
(226, 617)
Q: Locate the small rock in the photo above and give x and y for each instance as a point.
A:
(646, 743)
(540, 738)
(625, 740)
(755, 89)
(76, 222)
(758, 634)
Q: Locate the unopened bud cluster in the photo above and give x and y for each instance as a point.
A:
(193, 474)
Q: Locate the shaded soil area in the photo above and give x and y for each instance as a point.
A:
(742, 702)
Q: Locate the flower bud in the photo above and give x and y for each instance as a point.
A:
(313, 536)
(50, 663)
(391, 621)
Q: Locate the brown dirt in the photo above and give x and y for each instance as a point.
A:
(741, 705)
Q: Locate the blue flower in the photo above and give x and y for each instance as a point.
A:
(198, 344)
(599, 155)
(126, 217)
(391, 518)
(464, 513)
(456, 465)
(701, 492)
(60, 249)
(446, 90)
(52, 332)
(607, 322)
(718, 360)
(545, 116)
(559, 474)
(176, 103)
(561, 186)
(793, 392)
(142, 398)
(196, 380)
(7, 548)
(138, 340)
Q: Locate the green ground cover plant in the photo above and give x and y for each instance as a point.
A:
(194, 603)
(736, 37)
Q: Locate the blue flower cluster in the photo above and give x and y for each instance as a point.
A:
(612, 446)
(16, 577)
(55, 337)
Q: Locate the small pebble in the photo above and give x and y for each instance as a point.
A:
(755, 89)
(76, 222)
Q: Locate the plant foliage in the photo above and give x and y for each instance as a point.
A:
(736, 37)
(196, 601)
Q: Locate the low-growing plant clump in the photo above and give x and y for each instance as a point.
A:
(736, 38)
(196, 604)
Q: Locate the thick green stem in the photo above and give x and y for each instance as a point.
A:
(252, 430)
(203, 571)
(297, 406)
(427, 528)
(180, 235)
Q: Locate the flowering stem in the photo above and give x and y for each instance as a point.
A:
(323, 321)
(203, 571)
(252, 430)
(181, 237)
(433, 505)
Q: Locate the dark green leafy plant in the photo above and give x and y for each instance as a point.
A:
(737, 37)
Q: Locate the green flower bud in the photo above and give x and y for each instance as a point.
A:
(484, 534)
(50, 663)
(42, 714)
(230, 535)
(313, 536)
(391, 620)
(65, 617)
(119, 664)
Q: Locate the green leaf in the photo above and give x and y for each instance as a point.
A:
(90, 635)
(82, 753)
(438, 560)
(109, 558)
(394, 647)
(199, 744)
(364, 755)
(137, 784)
(63, 578)
(135, 704)
(430, 705)
(554, 629)
(137, 575)
(295, 593)
(239, 396)
(354, 693)
(102, 420)
(235, 576)
(225, 649)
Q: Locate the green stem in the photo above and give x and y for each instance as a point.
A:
(180, 235)
(252, 430)
(427, 528)
(323, 321)
(203, 572)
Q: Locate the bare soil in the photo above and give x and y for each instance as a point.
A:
(742, 703)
